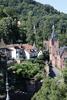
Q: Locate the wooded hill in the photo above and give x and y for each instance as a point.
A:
(36, 22)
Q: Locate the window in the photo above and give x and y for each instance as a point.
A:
(17, 53)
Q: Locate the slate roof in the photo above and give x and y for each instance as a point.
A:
(54, 36)
(62, 49)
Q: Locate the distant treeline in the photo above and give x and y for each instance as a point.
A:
(36, 22)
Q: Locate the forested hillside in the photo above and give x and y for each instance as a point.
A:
(36, 22)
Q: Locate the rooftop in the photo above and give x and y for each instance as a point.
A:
(61, 50)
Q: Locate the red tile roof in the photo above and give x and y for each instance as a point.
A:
(27, 47)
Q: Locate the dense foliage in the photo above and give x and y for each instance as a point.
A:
(36, 22)
(21, 74)
(30, 14)
(27, 69)
(52, 89)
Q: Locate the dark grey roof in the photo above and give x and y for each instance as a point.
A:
(61, 50)
(54, 36)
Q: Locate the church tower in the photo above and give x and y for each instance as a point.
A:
(53, 46)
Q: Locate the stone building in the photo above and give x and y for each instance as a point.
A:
(58, 55)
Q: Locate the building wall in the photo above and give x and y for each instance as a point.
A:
(58, 63)
(13, 52)
(53, 48)
(54, 56)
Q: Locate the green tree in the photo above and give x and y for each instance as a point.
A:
(51, 90)
(9, 30)
(65, 75)
(10, 11)
(27, 69)
(31, 13)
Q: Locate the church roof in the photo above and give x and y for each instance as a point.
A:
(62, 49)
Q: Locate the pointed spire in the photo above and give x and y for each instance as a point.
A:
(53, 34)
(34, 29)
(53, 28)
(2, 44)
(53, 31)
(34, 46)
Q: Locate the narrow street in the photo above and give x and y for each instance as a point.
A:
(54, 72)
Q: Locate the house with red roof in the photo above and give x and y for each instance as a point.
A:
(19, 51)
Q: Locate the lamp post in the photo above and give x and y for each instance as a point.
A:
(6, 75)
(7, 84)
(7, 87)
(3, 64)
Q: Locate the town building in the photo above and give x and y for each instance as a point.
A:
(57, 54)
(18, 51)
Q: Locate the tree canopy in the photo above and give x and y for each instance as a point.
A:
(51, 90)
(31, 13)
(27, 69)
